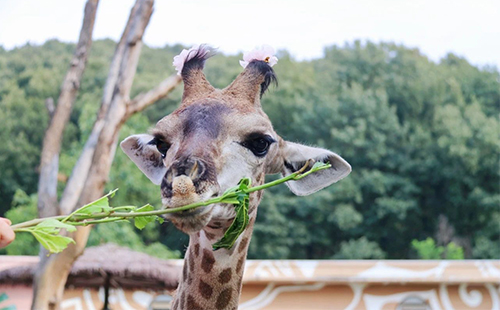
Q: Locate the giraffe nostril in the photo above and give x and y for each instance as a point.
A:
(190, 167)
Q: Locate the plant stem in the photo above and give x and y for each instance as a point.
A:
(90, 222)
(30, 223)
(76, 219)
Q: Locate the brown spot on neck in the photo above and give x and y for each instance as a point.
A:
(191, 263)
(205, 289)
(207, 261)
(192, 305)
(243, 244)
(223, 299)
(225, 276)
(239, 265)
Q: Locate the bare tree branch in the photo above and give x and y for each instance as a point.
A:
(76, 182)
(143, 100)
(116, 116)
(49, 163)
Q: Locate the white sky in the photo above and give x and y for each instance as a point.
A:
(469, 28)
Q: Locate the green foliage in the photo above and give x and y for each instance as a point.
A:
(141, 222)
(486, 248)
(47, 233)
(454, 251)
(346, 217)
(427, 249)
(240, 222)
(422, 138)
(361, 248)
(23, 209)
(412, 131)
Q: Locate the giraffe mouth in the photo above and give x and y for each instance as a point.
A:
(184, 192)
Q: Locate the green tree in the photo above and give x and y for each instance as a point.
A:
(427, 249)
(361, 248)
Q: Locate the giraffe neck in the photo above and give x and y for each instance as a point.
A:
(212, 279)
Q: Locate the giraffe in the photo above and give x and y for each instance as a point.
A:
(215, 138)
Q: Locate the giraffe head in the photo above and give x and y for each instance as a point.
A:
(215, 138)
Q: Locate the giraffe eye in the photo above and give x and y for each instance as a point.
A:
(258, 144)
(161, 146)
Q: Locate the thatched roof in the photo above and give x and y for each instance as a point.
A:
(125, 268)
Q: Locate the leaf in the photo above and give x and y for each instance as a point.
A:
(317, 165)
(49, 225)
(231, 194)
(141, 221)
(99, 205)
(3, 297)
(47, 233)
(244, 184)
(54, 243)
(239, 224)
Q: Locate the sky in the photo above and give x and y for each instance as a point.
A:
(468, 28)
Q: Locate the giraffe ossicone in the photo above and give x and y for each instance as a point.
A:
(186, 55)
(264, 53)
(212, 140)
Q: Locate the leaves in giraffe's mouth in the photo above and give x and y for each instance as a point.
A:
(47, 230)
(240, 222)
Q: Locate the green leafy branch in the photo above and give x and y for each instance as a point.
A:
(47, 230)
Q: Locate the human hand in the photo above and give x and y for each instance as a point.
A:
(7, 235)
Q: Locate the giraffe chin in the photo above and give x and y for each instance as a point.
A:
(191, 221)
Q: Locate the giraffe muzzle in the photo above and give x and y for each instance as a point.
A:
(188, 181)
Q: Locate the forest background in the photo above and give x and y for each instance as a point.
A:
(422, 138)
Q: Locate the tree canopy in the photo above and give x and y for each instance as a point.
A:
(422, 138)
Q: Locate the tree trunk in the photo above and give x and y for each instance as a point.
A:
(91, 171)
(49, 163)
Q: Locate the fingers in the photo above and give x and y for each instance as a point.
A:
(7, 235)
(6, 220)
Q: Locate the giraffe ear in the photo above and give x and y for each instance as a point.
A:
(295, 157)
(145, 155)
